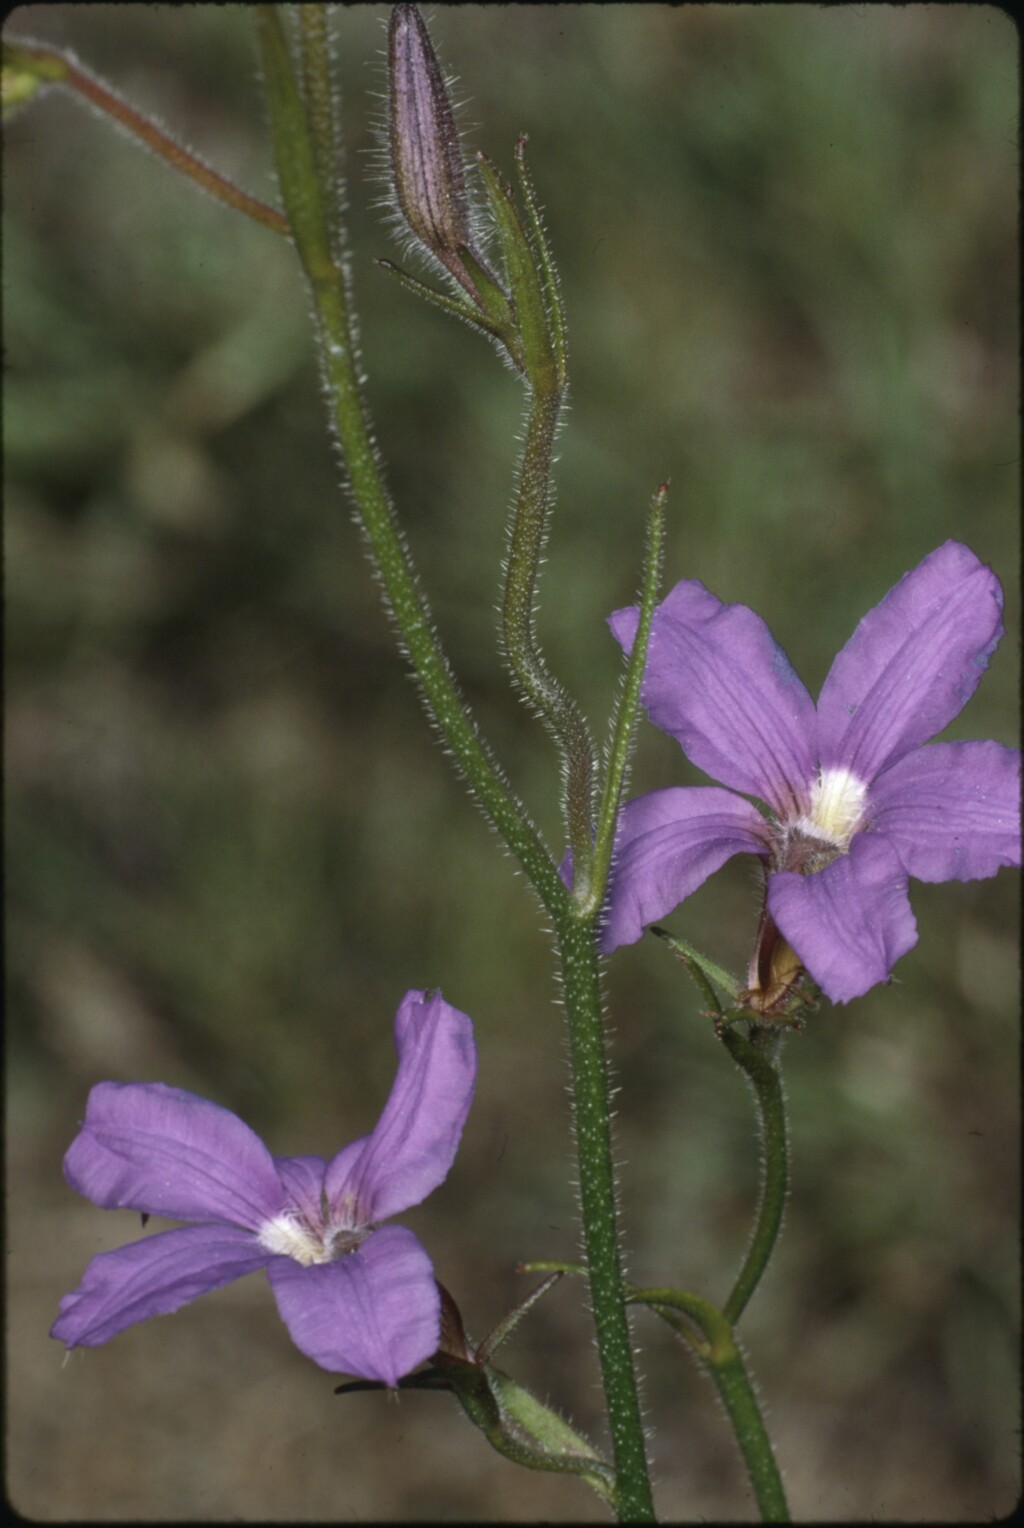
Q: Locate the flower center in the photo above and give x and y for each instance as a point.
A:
(814, 840)
(289, 1235)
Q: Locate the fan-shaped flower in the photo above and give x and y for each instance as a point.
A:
(355, 1298)
(854, 803)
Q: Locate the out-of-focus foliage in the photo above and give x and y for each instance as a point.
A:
(788, 244)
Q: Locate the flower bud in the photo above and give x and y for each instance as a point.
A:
(774, 973)
(426, 160)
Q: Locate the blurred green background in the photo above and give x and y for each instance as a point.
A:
(788, 244)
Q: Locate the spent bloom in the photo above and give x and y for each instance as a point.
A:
(355, 1298)
(854, 804)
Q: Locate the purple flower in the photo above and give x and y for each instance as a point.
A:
(855, 804)
(354, 1298)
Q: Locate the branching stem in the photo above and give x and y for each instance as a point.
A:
(56, 67)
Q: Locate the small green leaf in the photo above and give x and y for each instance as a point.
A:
(700, 966)
(493, 297)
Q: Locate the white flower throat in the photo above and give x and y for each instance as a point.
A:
(813, 840)
(290, 1235)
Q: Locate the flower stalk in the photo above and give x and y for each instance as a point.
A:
(759, 1057)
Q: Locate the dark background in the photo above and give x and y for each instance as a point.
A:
(787, 237)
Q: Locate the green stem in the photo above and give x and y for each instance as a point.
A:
(759, 1058)
(525, 548)
(590, 1091)
(589, 895)
(720, 1354)
(315, 61)
(306, 202)
(56, 67)
(541, 354)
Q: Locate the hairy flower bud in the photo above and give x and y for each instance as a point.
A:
(426, 159)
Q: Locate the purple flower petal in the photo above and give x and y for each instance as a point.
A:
(850, 922)
(912, 664)
(303, 1179)
(151, 1278)
(145, 1146)
(375, 1313)
(951, 810)
(414, 1143)
(666, 844)
(719, 683)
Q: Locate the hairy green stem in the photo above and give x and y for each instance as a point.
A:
(718, 1351)
(525, 547)
(588, 893)
(315, 76)
(541, 354)
(759, 1058)
(590, 1091)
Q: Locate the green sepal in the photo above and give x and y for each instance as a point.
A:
(507, 1325)
(455, 305)
(512, 1420)
(521, 269)
(477, 314)
(519, 1426)
(493, 297)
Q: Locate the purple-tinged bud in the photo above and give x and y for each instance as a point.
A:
(426, 159)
